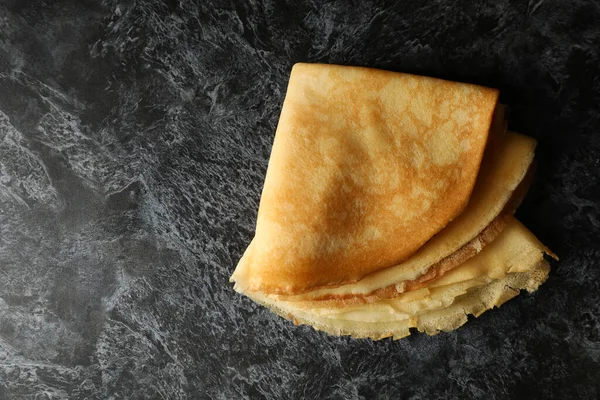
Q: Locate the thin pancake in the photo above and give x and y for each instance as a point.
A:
(512, 262)
(366, 166)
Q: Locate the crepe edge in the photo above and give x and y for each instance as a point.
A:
(475, 302)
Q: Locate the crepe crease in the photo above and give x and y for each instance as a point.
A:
(388, 205)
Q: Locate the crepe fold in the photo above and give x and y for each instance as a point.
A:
(366, 166)
(512, 262)
(388, 203)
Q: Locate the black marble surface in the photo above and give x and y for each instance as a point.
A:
(134, 139)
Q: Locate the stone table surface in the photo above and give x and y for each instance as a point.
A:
(134, 139)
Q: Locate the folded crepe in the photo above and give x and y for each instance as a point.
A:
(384, 192)
(366, 166)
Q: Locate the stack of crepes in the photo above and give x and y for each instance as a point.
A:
(388, 204)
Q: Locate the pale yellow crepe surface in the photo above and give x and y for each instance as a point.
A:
(514, 261)
(366, 166)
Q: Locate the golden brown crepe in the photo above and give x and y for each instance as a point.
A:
(366, 166)
(514, 261)
(388, 205)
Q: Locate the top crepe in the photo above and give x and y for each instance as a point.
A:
(366, 166)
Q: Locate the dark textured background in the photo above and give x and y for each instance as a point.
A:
(134, 138)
